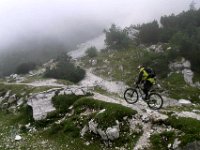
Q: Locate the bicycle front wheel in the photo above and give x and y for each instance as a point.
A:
(155, 101)
(131, 96)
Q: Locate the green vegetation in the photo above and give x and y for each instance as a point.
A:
(63, 102)
(190, 127)
(112, 111)
(67, 130)
(24, 115)
(25, 68)
(149, 32)
(66, 70)
(187, 131)
(118, 65)
(172, 109)
(70, 127)
(179, 89)
(91, 52)
(116, 38)
(181, 30)
(162, 140)
(159, 61)
(125, 69)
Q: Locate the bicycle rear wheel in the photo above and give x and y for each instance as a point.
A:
(131, 96)
(155, 101)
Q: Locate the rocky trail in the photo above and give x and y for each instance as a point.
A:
(144, 117)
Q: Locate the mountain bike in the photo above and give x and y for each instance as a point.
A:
(154, 99)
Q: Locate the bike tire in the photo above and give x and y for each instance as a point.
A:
(155, 98)
(131, 95)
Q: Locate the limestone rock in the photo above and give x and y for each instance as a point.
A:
(112, 132)
(41, 104)
(93, 126)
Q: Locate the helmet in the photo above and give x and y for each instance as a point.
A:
(139, 66)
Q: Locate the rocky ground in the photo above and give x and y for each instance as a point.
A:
(41, 104)
(146, 122)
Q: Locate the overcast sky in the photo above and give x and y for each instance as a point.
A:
(20, 18)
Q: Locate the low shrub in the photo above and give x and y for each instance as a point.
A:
(91, 52)
(162, 140)
(179, 89)
(65, 70)
(189, 126)
(24, 115)
(112, 111)
(63, 102)
(71, 129)
(25, 67)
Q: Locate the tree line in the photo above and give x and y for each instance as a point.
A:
(181, 31)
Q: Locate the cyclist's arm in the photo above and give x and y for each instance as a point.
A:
(139, 77)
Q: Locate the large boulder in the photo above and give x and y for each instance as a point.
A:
(183, 66)
(112, 132)
(41, 104)
(180, 65)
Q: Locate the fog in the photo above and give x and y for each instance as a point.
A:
(68, 20)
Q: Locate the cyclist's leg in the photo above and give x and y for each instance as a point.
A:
(147, 87)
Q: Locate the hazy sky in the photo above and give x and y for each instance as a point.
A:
(24, 18)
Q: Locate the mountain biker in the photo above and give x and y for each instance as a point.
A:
(147, 78)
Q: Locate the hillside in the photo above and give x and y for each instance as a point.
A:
(78, 103)
(88, 115)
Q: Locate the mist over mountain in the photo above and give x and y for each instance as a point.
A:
(67, 20)
(38, 30)
(41, 49)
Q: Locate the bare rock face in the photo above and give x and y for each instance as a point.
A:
(102, 134)
(188, 75)
(184, 67)
(15, 77)
(153, 116)
(184, 102)
(111, 133)
(156, 48)
(41, 104)
(12, 99)
(84, 130)
(93, 126)
(176, 144)
(180, 65)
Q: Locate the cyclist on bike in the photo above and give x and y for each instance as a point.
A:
(147, 78)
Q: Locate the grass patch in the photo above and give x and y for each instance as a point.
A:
(63, 102)
(16, 89)
(183, 108)
(112, 111)
(162, 140)
(100, 90)
(179, 89)
(72, 126)
(29, 79)
(21, 90)
(24, 115)
(189, 126)
(66, 127)
(196, 77)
